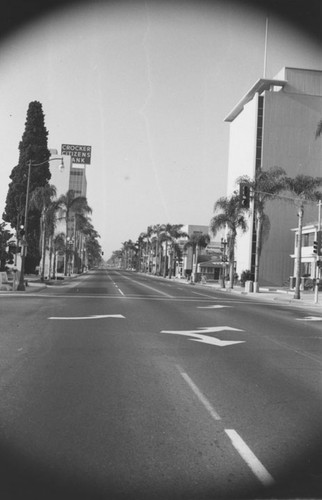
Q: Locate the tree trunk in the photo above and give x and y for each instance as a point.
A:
(66, 250)
(43, 245)
(257, 252)
(54, 265)
(170, 263)
(165, 260)
(231, 262)
(195, 266)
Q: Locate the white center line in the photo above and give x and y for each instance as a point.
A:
(251, 460)
(239, 444)
(149, 287)
(199, 395)
(119, 290)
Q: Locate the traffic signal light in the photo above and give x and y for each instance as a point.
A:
(317, 244)
(22, 231)
(244, 195)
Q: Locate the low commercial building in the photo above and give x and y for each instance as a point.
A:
(311, 253)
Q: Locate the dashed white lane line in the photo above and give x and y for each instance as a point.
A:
(96, 316)
(217, 306)
(310, 318)
(251, 460)
(199, 395)
(116, 286)
(149, 287)
(119, 290)
(238, 443)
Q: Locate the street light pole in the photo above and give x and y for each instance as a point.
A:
(223, 247)
(21, 286)
(317, 268)
(298, 257)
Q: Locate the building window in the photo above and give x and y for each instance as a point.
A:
(307, 239)
(306, 268)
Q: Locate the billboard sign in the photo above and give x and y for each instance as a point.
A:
(79, 154)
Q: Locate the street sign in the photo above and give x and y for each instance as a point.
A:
(79, 154)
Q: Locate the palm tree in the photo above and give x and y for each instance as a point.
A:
(51, 222)
(304, 189)
(230, 216)
(148, 247)
(72, 205)
(140, 245)
(42, 199)
(84, 229)
(156, 236)
(58, 246)
(176, 254)
(265, 187)
(196, 242)
(170, 235)
(127, 250)
(93, 252)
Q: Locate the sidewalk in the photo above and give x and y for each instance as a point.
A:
(34, 283)
(281, 295)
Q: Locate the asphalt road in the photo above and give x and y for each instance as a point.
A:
(120, 385)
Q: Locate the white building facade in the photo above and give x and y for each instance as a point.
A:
(311, 253)
(274, 124)
(71, 177)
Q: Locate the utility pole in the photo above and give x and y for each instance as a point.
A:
(317, 268)
(265, 48)
(298, 258)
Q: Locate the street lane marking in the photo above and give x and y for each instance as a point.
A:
(206, 339)
(251, 460)
(310, 318)
(148, 286)
(212, 307)
(96, 316)
(95, 296)
(199, 394)
(238, 443)
(119, 290)
(116, 286)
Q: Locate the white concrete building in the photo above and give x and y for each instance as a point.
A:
(309, 259)
(71, 177)
(274, 124)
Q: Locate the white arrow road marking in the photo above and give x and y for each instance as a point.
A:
(310, 318)
(212, 307)
(97, 316)
(205, 339)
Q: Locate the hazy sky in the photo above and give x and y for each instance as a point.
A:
(147, 85)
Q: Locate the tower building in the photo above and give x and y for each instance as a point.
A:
(274, 124)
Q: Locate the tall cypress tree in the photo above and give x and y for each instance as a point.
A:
(32, 147)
